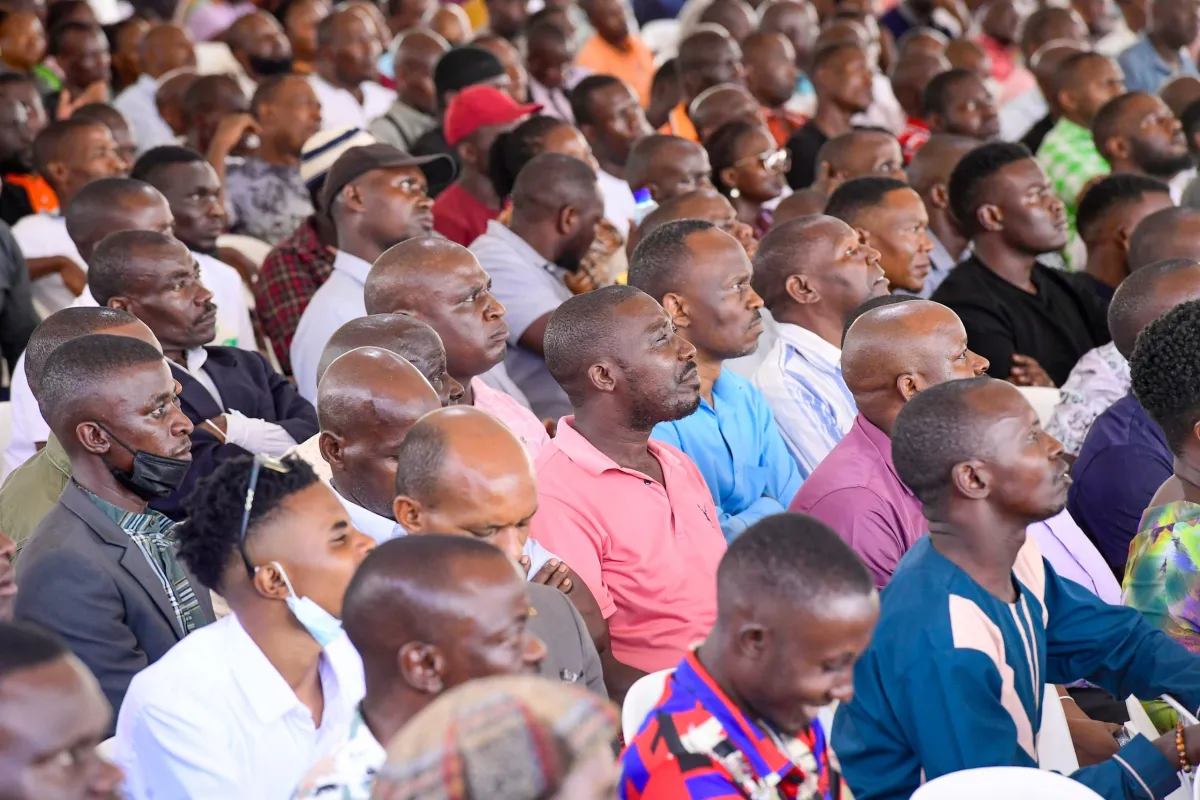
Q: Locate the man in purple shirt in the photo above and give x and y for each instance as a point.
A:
(889, 355)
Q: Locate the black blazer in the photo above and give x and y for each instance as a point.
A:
(247, 384)
(83, 578)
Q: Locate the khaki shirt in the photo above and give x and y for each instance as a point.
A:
(31, 490)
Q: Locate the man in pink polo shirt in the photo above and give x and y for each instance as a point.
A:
(442, 284)
(633, 517)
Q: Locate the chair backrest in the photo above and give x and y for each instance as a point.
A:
(1004, 783)
(1056, 751)
(1043, 399)
(640, 700)
(5, 425)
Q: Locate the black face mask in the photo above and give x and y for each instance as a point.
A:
(266, 67)
(153, 476)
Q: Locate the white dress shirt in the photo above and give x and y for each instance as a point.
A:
(1021, 113)
(42, 236)
(213, 718)
(234, 328)
(748, 364)
(382, 529)
(137, 105)
(801, 379)
(249, 433)
(339, 300)
(340, 108)
(619, 205)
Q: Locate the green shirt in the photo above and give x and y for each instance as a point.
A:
(1069, 156)
(31, 490)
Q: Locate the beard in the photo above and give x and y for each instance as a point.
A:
(267, 67)
(667, 405)
(1160, 164)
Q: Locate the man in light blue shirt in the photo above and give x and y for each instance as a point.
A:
(377, 198)
(1160, 53)
(812, 272)
(702, 276)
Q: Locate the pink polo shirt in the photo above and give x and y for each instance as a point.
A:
(520, 420)
(648, 552)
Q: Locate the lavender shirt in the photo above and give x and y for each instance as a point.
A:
(855, 490)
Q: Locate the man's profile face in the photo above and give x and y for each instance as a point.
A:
(898, 228)
(657, 365)
(678, 170)
(470, 321)
(194, 192)
(52, 717)
(1034, 218)
(140, 407)
(725, 317)
(971, 111)
(167, 294)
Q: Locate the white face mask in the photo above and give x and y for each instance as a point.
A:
(320, 624)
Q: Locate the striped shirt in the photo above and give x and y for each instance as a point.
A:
(801, 379)
(154, 535)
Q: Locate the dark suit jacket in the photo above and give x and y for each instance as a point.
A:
(247, 384)
(82, 577)
(570, 654)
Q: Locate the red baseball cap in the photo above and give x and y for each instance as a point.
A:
(477, 106)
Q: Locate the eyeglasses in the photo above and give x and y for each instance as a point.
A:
(772, 160)
(261, 460)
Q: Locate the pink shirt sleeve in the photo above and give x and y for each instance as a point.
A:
(868, 525)
(573, 538)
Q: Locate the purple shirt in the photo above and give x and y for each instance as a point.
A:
(855, 490)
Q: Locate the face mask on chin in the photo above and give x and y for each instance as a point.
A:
(322, 626)
(153, 476)
(267, 67)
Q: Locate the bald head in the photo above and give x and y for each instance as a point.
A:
(805, 247)
(367, 401)
(1167, 234)
(667, 166)
(400, 278)
(860, 153)
(937, 158)
(114, 204)
(1180, 93)
(708, 205)
(401, 334)
(420, 44)
(718, 105)
(164, 48)
(549, 183)
(735, 16)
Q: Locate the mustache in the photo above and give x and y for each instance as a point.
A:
(688, 371)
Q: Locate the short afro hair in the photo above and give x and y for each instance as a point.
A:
(970, 176)
(660, 259)
(115, 255)
(149, 163)
(24, 646)
(463, 66)
(56, 39)
(1106, 124)
(936, 430)
(208, 539)
(78, 368)
(581, 96)
(61, 327)
(790, 557)
(936, 99)
(1165, 372)
(857, 195)
(1137, 302)
(579, 331)
(512, 150)
(50, 146)
(1110, 192)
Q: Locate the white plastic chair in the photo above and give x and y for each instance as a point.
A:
(1004, 783)
(256, 250)
(639, 701)
(5, 425)
(662, 37)
(106, 748)
(215, 58)
(1056, 751)
(1043, 399)
(1139, 722)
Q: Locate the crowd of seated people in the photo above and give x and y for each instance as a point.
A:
(647, 400)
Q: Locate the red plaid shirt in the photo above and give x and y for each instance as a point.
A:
(290, 276)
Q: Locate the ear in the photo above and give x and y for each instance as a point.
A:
(936, 123)
(990, 218)
(422, 666)
(568, 219)
(908, 386)
(407, 512)
(728, 176)
(94, 440)
(1116, 146)
(972, 479)
(939, 196)
(801, 289)
(332, 447)
(752, 640)
(57, 172)
(676, 307)
(352, 197)
(1065, 101)
(655, 192)
(269, 583)
(467, 152)
(121, 304)
(601, 376)
(1122, 237)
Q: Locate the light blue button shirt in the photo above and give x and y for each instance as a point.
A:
(383, 529)
(137, 104)
(801, 380)
(1145, 70)
(739, 451)
(339, 300)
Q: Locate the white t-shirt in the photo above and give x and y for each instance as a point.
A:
(234, 328)
(42, 236)
(619, 205)
(340, 108)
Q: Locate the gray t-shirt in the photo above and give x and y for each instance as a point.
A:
(265, 201)
(529, 286)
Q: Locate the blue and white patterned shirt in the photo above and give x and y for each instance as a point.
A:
(801, 379)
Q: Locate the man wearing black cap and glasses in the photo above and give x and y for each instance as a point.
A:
(377, 197)
(101, 570)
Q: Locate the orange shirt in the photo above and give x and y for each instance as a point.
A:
(783, 123)
(635, 65)
(680, 124)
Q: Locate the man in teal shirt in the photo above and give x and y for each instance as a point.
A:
(701, 275)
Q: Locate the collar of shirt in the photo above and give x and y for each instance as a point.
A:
(1072, 135)
(760, 748)
(145, 522)
(940, 258)
(883, 444)
(352, 265)
(1145, 51)
(504, 235)
(381, 529)
(811, 346)
(587, 457)
(196, 359)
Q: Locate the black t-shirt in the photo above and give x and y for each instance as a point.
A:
(804, 146)
(1097, 288)
(14, 203)
(1054, 327)
(1034, 136)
